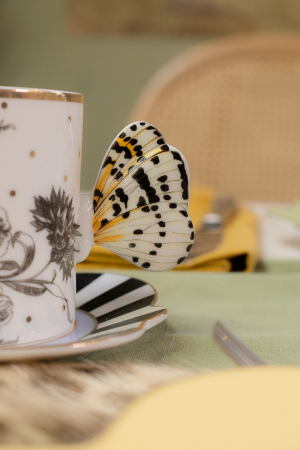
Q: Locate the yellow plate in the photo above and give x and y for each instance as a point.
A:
(242, 409)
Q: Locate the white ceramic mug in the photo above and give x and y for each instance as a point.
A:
(41, 213)
(138, 208)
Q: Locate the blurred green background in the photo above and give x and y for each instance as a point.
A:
(36, 50)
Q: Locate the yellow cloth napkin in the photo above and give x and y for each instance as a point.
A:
(238, 251)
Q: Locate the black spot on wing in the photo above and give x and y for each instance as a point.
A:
(122, 149)
(176, 156)
(117, 209)
(183, 175)
(109, 160)
(138, 150)
(155, 160)
(119, 176)
(103, 223)
(180, 260)
(143, 181)
(122, 196)
(162, 179)
(138, 232)
(184, 183)
(141, 202)
(98, 193)
(114, 171)
(164, 187)
(126, 215)
(133, 127)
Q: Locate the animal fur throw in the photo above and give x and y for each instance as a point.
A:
(50, 403)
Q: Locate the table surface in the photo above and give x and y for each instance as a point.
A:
(262, 309)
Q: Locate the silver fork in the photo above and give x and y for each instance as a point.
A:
(234, 348)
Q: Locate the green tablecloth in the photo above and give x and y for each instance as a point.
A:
(262, 309)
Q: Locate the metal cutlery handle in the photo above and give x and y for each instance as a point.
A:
(210, 234)
(225, 207)
(222, 210)
(234, 348)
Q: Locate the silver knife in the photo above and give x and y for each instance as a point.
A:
(210, 234)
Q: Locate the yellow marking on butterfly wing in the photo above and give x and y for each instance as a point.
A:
(103, 178)
(107, 226)
(129, 146)
(99, 240)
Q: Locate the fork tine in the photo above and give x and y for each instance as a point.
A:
(234, 348)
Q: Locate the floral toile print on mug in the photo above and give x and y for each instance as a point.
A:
(56, 215)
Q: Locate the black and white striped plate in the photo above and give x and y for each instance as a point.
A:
(112, 310)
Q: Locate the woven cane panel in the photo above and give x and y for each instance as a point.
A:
(237, 121)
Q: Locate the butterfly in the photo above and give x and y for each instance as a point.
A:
(141, 198)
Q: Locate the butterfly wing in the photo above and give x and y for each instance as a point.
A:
(141, 200)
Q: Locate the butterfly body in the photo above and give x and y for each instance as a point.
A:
(141, 200)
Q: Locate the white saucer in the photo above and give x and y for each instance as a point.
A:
(111, 310)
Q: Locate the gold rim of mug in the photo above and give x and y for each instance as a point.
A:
(41, 94)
